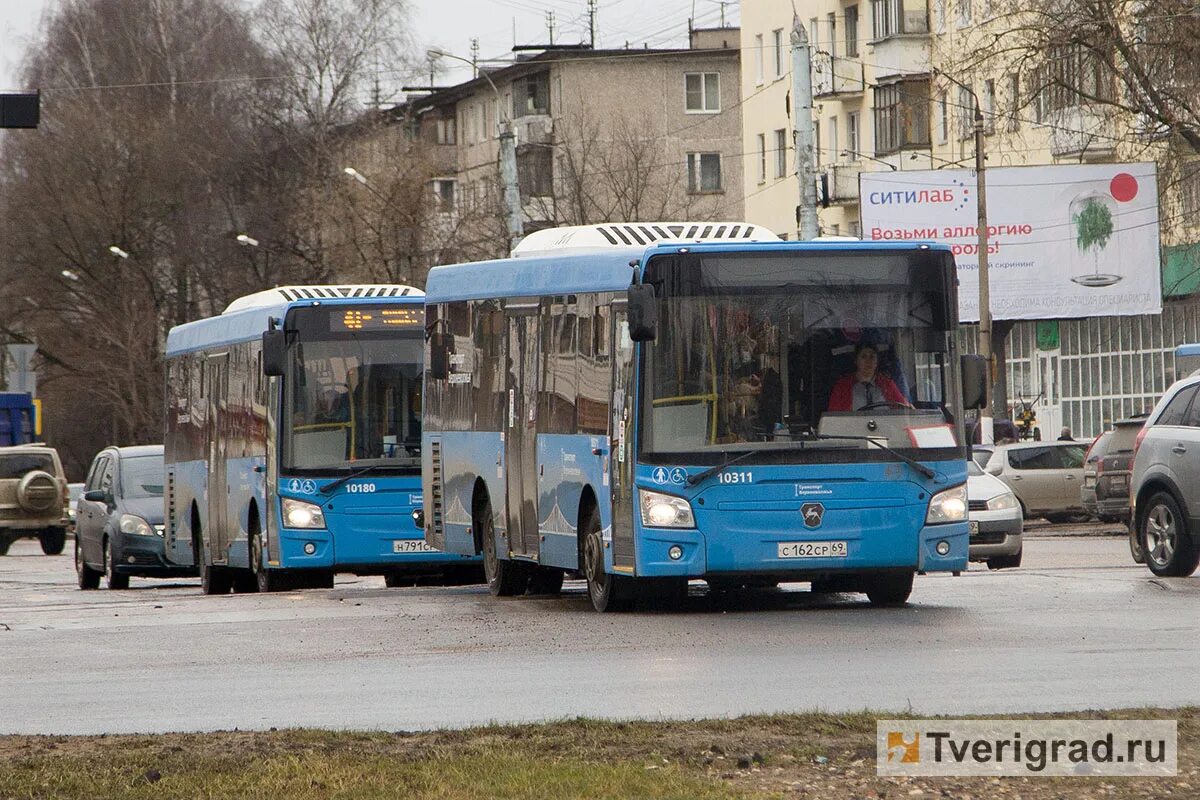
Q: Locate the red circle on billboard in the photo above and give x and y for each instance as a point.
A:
(1124, 187)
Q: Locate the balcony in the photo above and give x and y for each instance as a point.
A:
(534, 129)
(1083, 131)
(842, 183)
(901, 54)
(833, 76)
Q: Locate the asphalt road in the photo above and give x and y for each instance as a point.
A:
(1079, 627)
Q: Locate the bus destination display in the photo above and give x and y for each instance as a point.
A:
(375, 319)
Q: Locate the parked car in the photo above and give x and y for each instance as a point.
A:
(119, 529)
(33, 497)
(1166, 472)
(1106, 469)
(1045, 477)
(74, 492)
(994, 519)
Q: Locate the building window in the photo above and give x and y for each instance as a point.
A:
(831, 30)
(852, 127)
(817, 142)
(939, 14)
(780, 152)
(447, 131)
(852, 31)
(943, 118)
(704, 172)
(966, 113)
(964, 13)
(1014, 102)
(989, 106)
(814, 36)
(762, 158)
(531, 94)
(901, 116)
(1075, 74)
(777, 38)
(758, 59)
(887, 18)
(1189, 193)
(853, 228)
(831, 143)
(444, 191)
(535, 172)
(702, 92)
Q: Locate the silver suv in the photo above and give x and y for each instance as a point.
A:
(33, 497)
(1163, 486)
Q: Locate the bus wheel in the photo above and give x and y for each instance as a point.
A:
(267, 580)
(546, 580)
(504, 578)
(889, 590)
(607, 592)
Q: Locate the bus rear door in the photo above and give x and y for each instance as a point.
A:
(520, 441)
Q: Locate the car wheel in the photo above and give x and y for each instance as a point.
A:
(88, 578)
(53, 541)
(1170, 551)
(607, 592)
(504, 578)
(114, 579)
(1006, 562)
(889, 590)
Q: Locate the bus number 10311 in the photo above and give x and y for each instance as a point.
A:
(736, 477)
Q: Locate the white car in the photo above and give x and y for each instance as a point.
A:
(995, 520)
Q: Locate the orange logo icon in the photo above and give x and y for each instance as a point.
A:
(903, 750)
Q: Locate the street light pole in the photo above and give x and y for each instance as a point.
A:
(986, 433)
(508, 160)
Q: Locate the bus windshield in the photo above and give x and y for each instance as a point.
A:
(353, 402)
(804, 354)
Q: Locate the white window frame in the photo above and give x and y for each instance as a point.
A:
(853, 134)
(436, 185)
(964, 13)
(759, 59)
(762, 158)
(832, 140)
(777, 41)
(706, 106)
(988, 106)
(781, 153)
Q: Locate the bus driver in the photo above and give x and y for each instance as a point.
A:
(866, 386)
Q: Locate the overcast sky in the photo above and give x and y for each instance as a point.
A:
(451, 25)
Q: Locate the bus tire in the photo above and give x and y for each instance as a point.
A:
(889, 590)
(546, 580)
(266, 580)
(53, 540)
(607, 592)
(505, 578)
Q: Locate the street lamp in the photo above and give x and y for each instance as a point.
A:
(118, 252)
(358, 176)
(985, 311)
(508, 157)
(244, 240)
(69, 275)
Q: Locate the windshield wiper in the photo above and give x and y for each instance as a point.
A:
(912, 462)
(692, 480)
(332, 485)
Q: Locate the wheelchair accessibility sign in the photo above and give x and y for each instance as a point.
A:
(663, 476)
(302, 487)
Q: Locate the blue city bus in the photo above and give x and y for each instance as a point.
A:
(645, 404)
(293, 431)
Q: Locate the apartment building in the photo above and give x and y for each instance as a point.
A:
(601, 135)
(883, 101)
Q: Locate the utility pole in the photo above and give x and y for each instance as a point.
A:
(986, 431)
(592, 23)
(802, 131)
(550, 24)
(474, 58)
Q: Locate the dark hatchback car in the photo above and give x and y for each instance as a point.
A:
(119, 519)
(1106, 471)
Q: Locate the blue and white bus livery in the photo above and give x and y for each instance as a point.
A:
(747, 412)
(293, 438)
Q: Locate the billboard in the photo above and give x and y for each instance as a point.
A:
(1077, 240)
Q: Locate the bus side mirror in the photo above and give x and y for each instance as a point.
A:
(439, 356)
(274, 353)
(974, 380)
(643, 313)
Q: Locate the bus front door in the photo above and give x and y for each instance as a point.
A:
(520, 439)
(217, 532)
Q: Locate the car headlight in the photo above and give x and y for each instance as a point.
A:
(299, 514)
(665, 510)
(135, 525)
(1003, 502)
(948, 506)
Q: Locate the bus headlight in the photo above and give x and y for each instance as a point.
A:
(1003, 502)
(299, 514)
(665, 510)
(948, 506)
(136, 525)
